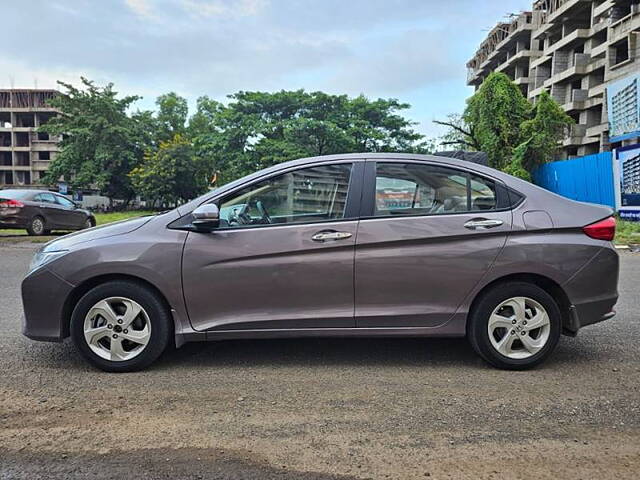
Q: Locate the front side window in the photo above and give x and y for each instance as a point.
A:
(314, 194)
(414, 189)
(45, 197)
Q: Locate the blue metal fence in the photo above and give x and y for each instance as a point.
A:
(587, 179)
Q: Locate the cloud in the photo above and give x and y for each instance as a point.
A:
(224, 8)
(142, 8)
(397, 65)
(414, 50)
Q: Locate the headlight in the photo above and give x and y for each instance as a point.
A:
(43, 257)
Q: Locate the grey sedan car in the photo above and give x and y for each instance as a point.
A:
(343, 245)
(40, 211)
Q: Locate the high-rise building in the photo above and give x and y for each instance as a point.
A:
(25, 153)
(573, 49)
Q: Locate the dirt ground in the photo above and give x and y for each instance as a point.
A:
(322, 408)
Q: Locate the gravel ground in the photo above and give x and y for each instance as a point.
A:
(322, 408)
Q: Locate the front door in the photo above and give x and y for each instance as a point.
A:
(69, 213)
(430, 234)
(282, 257)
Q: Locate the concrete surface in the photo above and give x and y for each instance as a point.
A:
(320, 409)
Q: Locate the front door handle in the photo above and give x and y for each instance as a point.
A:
(482, 224)
(330, 235)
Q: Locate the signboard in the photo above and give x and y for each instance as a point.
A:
(623, 108)
(628, 182)
(62, 188)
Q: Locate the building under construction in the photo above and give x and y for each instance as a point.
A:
(573, 49)
(25, 153)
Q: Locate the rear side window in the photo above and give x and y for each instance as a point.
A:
(414, 189)
(45, 197)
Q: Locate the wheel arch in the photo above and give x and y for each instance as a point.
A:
(82, 288)
(547, 284)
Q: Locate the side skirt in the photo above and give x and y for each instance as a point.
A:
(442, 331)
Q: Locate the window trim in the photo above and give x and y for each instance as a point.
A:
(368, 204)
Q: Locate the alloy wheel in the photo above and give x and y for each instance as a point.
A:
(519, 327)
(37, 225)
(117, 329)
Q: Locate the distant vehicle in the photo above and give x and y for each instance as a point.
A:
(41, 211)
(345, 245)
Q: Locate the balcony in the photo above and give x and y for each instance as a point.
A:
(576, 135)
(521, 55)
(597, 130)
(568, 40)
(622, 27)
(602, 8)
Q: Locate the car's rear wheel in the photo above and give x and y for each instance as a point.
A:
(121, 326)
(88, 223)
(515, 326)
(36, 226)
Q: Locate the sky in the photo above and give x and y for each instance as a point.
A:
(412, 50)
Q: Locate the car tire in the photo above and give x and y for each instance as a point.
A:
(500, 325)
(88, 223)
(153, 318)
(36, 226)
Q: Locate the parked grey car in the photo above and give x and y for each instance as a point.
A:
(343, 245)
(40, 211)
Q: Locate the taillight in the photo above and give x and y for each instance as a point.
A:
(602, 230)
(11, 204)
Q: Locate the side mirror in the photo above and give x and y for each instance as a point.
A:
(206, 217)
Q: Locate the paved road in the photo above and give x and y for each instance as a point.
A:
(322, 408)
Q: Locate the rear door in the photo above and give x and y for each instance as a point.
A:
(427, 236)
(50, 209)
(283, 255)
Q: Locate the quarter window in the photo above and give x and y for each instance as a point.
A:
(414, 189)
(307, 195)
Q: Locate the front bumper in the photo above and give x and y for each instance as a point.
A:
(44, 295)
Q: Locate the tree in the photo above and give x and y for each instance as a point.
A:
(495, 114)
(100, 142)
(172, 115)
(172, 174)
(460, 135)
(259, 129)
(543, 133)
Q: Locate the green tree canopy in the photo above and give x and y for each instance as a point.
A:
(495, 113)
(100, 142)
(172, 174)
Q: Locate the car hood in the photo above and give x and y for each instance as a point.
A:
(103, 231)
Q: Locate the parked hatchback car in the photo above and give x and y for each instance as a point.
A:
(343, 245)
(40, 211)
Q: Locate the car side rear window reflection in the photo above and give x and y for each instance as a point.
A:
(413, 189)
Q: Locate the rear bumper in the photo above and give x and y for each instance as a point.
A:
(593, 291)
(12, 222)
(43, 297)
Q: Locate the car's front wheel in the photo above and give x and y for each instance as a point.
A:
(121, 326)
(515, 325)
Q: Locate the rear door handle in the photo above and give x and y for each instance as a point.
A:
(482, 224)
(329, 235)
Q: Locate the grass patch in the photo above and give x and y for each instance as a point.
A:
(627, 232)
(101, 219)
